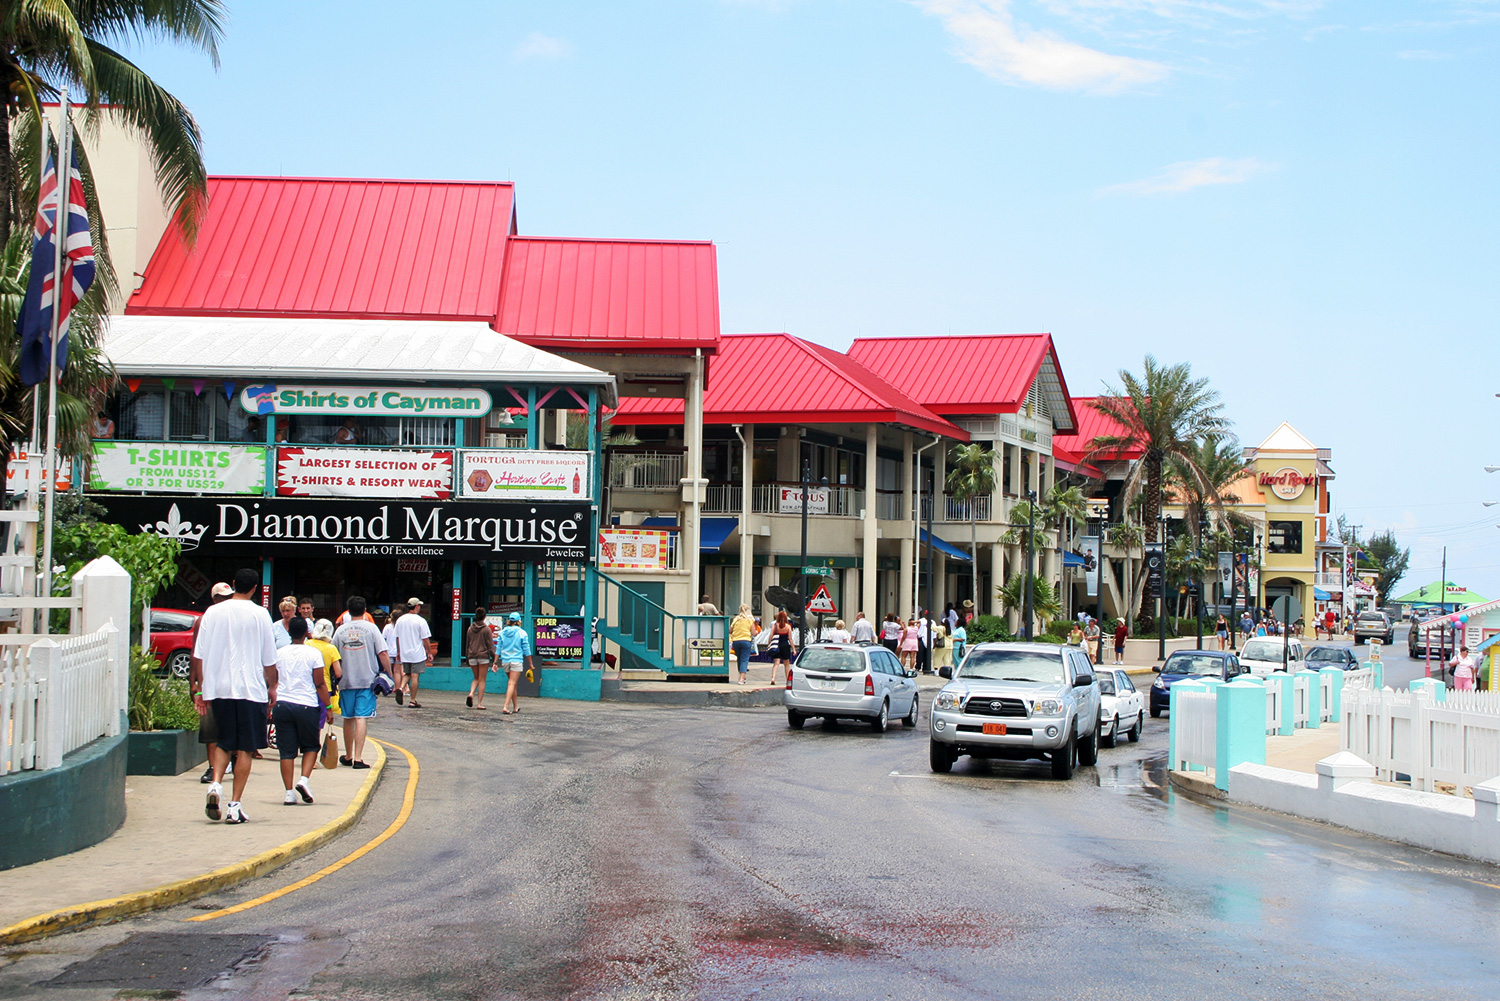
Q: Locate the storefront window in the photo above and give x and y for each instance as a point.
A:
(1284, 537)
(192, 416)
(143, 416)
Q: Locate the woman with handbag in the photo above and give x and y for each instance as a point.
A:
(782, 648)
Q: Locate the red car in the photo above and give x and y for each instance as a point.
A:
(172, 638)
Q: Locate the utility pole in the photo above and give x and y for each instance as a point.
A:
(1026, 605)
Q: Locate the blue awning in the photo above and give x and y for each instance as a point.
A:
(711, 531)
(1318, 593)
(1487, 643)
(1072, 559)
(952, 551)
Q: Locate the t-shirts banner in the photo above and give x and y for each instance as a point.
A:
(363, 472)
(524, 474)
(633, 548)
(178, 467)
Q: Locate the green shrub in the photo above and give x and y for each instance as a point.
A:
(1049, 638)
(1059, 628)
(988, 629)
(158, 703)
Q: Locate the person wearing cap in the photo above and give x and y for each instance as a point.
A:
(321, 640)
(412, 634)
(514, 650)
(208, 734)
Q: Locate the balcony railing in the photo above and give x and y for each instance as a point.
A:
(958, 510)
(786, 498)
(723, 498)
(1329, 581)
(890, 505)
(646, 470)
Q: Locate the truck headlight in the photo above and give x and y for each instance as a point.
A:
(947, 700)
(1047, 707)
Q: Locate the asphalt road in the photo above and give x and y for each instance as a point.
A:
(606, 851)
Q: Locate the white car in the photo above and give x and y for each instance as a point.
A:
(1262, 655)
(1123, 708)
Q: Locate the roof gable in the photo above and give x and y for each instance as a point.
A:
(1287, 439)
(785, 379)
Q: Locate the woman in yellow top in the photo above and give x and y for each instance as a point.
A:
(742, 640)
(321, 634)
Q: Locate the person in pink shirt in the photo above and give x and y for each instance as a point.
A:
(1463, 670)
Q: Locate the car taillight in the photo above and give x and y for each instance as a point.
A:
(789, 678)
(869, 684)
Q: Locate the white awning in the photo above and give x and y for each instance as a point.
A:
(280, 348)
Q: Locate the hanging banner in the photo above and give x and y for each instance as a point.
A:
(395, 401)
(531, 532)
(524, 474)
(1089, 547)
(23, 466)
(559, 637)
(791, 500)
(1226, 571)
(630, 548)
(178, 467)
(405, 474)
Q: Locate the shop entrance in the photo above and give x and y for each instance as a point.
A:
(383, 582)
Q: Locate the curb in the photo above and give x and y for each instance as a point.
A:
(754, 698)
(1196, 784)
(169, 894)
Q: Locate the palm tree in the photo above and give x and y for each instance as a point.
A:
(1044, 601)
(49, 45)
(1219, 461)
(971, 476)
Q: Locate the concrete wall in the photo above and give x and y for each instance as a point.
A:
(44, 814)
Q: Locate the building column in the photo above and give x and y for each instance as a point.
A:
(907, 580)
(747, 539)
(868, 575)
(997, 578)
(908, 546)
(692, 483)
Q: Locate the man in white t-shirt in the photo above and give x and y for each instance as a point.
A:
(412, 634)
(235, 676)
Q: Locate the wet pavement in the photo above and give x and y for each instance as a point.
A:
(614, 851)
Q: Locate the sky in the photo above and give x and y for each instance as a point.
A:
(1295, 196)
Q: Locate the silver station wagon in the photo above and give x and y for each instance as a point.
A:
(845, 681)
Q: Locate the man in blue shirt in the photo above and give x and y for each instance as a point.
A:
(513, 650)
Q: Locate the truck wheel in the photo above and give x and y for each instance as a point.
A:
(794, 719)
(1088, 749)
(1062, 761)
(940, 757)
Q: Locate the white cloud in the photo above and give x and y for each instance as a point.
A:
(539, 46)
(1189, 174)
(990, 40)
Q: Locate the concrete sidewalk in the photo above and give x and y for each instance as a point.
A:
(168, 851)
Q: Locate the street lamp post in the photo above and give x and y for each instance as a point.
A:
(1026, 604)
(1161, 586)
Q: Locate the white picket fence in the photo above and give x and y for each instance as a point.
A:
(1456, 741)
(56, 695)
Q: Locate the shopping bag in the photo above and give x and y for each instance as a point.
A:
(330, 755)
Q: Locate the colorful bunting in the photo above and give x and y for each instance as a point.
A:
(228, 390)
(134, 384)
(198, 385)
(169, 383)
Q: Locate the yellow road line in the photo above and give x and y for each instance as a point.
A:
(406, 806)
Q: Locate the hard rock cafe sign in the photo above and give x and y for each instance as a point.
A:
(1286, 483)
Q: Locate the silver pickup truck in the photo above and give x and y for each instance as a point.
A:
(1018, 701)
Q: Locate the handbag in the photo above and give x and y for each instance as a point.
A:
(330, 755)
(938, 642)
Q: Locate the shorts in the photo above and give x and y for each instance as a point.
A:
(297, 730)
(357, 703)
(208, 733)
(414, 667)
(512, 665)
(241, 724)
(479, 662)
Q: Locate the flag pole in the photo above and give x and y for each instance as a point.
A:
(59, 237)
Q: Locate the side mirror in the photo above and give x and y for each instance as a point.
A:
(1083, 681)
(943, 672)
(913, 674)
(1156, 670)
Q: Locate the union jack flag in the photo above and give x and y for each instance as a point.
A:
(35, 319)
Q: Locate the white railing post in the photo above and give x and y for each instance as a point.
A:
(104, 586)
(45, 658)
(116, 681)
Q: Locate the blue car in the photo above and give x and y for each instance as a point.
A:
(1221, 664)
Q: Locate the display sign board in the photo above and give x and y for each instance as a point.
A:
(811, 571)
(1286, 483)
(791, 500)
(178, 467)
(23, 465)
(191, 579)
(393, 401)
(1155, 565)
(558, 637)
(413, 566)
(822, 603)
(524, 474)
(632, 548)
(536, 532)
(363, 472)
(1089, 546)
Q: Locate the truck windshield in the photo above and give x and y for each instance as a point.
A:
(1012, 665)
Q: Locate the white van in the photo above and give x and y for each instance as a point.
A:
(1262, 655)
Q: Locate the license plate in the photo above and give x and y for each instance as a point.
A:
(825, 686)
(995, 729)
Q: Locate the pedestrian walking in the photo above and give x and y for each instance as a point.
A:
(950, 617)
(305, 609)
(321, 640)
(362, 657)
(909, 645)
(1247, 623)
(707, 607)
(515, 655)
(412, 634)
(960, 640)
(862, 632)
(1075, 635)
(386, 623)
(1330, 622)
(942, 656)
(300, 711)
(924, 642)
(838, 634)
(742, 640)
(1122, 631)
(1464, 670)
(1091, 640)
(479, 652)
(890, 632)
(207, 734)
(236, 680)
(288, 608)
(782, 647)
(1221, 630)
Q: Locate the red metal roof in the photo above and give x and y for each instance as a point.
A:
(778, 378)
(614, 295)
(970, 374)
(324, 247)
(1091, 424)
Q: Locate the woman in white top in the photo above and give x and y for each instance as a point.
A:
(838, 634)
(301, 709)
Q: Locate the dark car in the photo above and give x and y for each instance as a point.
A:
(1221, 664)
(1440, 640)
(1320, 657)
(172, 638)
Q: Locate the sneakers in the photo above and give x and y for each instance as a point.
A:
(207, 776)
(211, 806)
(234, 815)
(290, 799)
(304, 790)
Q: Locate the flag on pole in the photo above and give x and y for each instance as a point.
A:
(35, 320)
